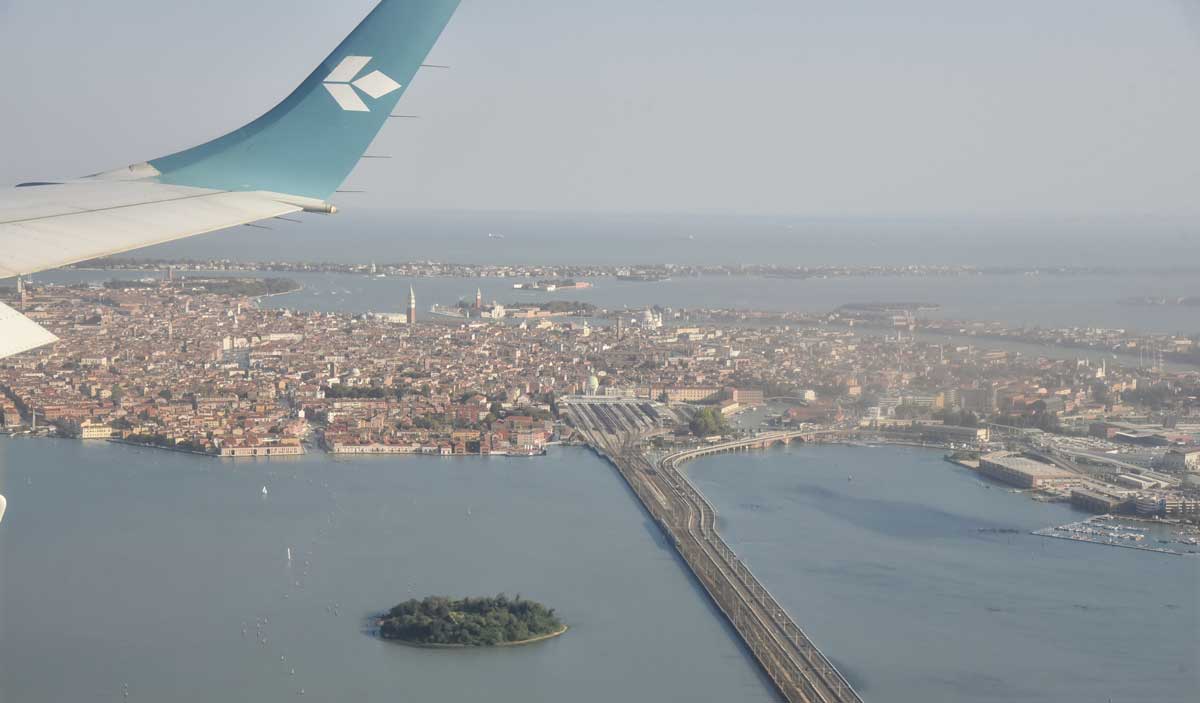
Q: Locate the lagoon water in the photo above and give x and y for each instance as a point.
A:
(125, 565)
(121, 565)
(1051, 301)
(889, 574)
(360, 235)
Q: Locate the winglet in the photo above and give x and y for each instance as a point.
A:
(310, 142)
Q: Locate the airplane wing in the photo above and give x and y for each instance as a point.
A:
(291, 159)
(52, 225)
(18, 333)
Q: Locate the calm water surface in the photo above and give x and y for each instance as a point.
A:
(890, 575)
(121, 565)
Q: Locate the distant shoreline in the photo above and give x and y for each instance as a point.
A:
(628, 271)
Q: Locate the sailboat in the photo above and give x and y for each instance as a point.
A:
(264, 491)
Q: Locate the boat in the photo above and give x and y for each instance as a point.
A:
(264, 490)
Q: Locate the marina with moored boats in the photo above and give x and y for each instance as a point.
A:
(1112, 531)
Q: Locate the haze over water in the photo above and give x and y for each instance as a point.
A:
(359, 235)
(1046, 300)
(1164, 255)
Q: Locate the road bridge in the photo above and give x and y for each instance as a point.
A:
(801, 672)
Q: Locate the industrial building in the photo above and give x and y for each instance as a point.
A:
(1166, 503)
(1019, 471)
(953, 434)
(1182, 460)
(1097, 501)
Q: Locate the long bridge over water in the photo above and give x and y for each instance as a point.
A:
(801, 672)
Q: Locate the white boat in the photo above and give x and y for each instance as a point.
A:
(264, 490)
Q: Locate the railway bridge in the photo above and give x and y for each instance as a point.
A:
(764, 440)
(798, 668)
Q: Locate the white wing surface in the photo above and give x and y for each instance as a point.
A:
(47, 226)
(18, 333)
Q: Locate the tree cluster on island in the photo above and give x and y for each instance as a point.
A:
(469, 622)
(242, 286)
(252, 287)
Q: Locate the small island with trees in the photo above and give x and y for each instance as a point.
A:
(439, 621)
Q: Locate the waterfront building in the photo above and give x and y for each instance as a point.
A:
(1166, 503)
(1022, 472)
(284, 446)
(339, 447)
(91, 430)
(1097, 501)
(1148, 504)
(953, 433)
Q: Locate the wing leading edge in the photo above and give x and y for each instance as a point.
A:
(49, 226)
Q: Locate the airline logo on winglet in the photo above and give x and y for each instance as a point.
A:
(342, 85)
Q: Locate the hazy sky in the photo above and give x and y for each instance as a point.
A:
(847, 107)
